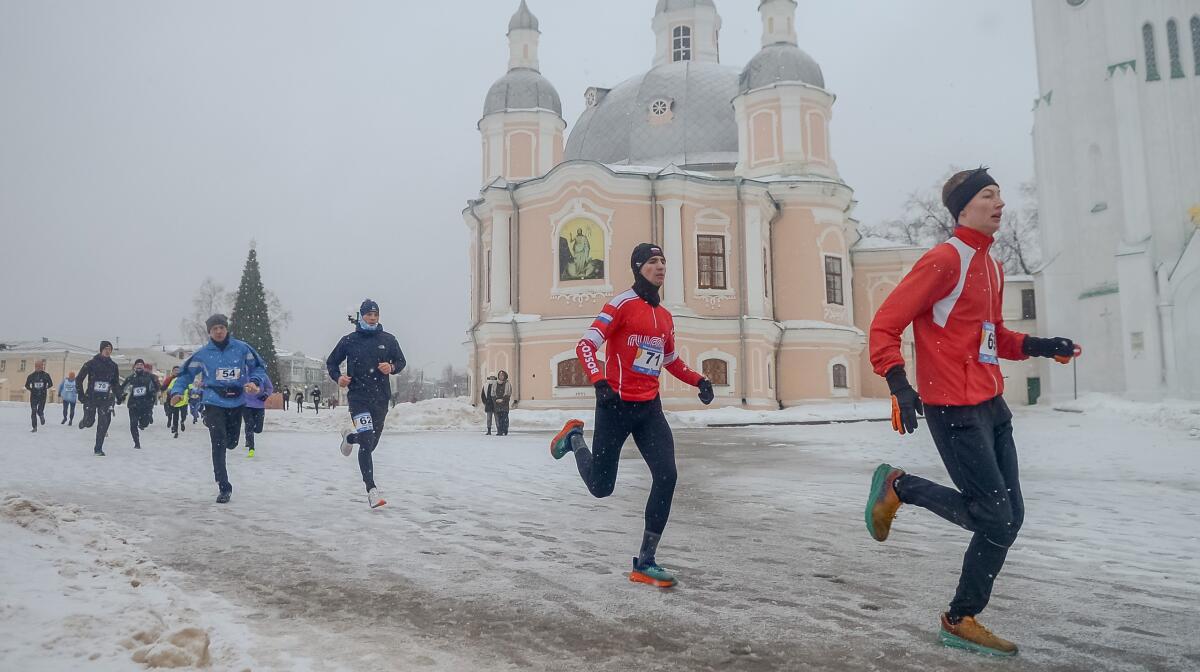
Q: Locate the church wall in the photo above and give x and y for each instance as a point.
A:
(804, 235)
(711, 217)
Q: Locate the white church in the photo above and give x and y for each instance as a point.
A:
(1117, 152)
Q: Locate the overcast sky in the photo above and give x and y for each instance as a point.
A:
(144, 144)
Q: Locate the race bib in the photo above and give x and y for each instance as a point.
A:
(228, 375)
(363, 422)
(987, 344)
(38, 386)
(139, 391)
(649, 359)
(100, 387)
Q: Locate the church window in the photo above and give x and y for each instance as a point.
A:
(681, 44)
(840, 377)
(1173, 50)
(571, 374)
(710, 254)
(660, 107)
(716, 370)
(3, 365)
(1151, 55)
(833, 281)
(1028, 305)
(1196, 43)
(22, 366)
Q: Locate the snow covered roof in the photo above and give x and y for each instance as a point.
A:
(44, 347)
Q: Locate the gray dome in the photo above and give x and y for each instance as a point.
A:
(780, 62)
(522, 89)
(523, 19)
(672, 5)
(703, 129)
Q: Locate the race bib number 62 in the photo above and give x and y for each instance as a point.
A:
(363, 422)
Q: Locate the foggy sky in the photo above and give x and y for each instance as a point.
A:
(143, 144)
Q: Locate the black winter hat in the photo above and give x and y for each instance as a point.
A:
(368, 306)
(641, 254)
(105, 344)
(139, 361)
(215, 320)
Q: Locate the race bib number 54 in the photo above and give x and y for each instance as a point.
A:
(649, 360)
(228, 375)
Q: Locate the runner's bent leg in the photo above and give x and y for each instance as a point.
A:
(598, 466)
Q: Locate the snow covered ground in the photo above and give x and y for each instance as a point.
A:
(491, 556)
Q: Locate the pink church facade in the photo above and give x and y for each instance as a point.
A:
(730, 170)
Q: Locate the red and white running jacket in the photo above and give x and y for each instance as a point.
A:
(641, 343)
(949, 296)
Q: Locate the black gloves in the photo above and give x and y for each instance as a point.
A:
(1048, 347)
(906, 404)
(706, 391)
(606, 396)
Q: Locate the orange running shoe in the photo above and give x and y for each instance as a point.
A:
(970, 635)
(883, 501)
(561, 443)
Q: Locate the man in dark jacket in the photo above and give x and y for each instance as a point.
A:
(98, 382)
(501, 399)
(140, 392)
(287, 395)
(371, 355)
(38, 383)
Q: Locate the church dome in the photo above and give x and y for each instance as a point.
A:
(523, 19)
(522, 89)
(681, 113)
(780, 62)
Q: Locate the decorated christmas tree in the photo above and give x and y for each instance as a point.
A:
(251, 321)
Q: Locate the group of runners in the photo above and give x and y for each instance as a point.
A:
(952, 298)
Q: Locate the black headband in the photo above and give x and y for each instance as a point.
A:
(976, 182)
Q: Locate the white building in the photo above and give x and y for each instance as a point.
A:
(1117, 150)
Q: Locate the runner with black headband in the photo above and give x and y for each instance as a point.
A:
(953, 298)
(641, 342)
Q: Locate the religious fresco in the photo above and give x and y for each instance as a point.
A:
(581, 251)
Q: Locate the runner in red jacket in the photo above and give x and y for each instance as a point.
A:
(640, 337)
(953, 298)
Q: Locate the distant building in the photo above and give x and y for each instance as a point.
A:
(298, 370)
(1117, 150)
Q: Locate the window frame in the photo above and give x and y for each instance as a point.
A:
(578, 367)
(724, 370)
(22, 367)
(1028, 304)
(724, 268)
(1195, 25)
(835, 296)
(1173, 50)
(844, 371)
(1151, 52)
(681, 43)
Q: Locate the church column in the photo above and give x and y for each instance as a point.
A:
(501, 296)
(673, 249)
(755, 289)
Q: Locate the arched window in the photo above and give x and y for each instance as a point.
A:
(840, 379)
(570, 374)
(1173, 50)
(1196, 43)
(1151, 55)
(716, 370)
(681, 44)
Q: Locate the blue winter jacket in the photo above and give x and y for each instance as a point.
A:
(227, 368)
(67, 392)
(260, 400)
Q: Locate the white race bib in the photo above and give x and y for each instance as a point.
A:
(38, 386)
(228, 375)
(139, 391)
(363, 422)
(100, 387)
(987, 344)
(649, 359)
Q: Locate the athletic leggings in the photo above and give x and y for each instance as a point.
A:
(68, 405)
(224, 425)
(139, 418)
(651, 433)
(253, 417)
(37, 409)
(368, 427)
(177, 417)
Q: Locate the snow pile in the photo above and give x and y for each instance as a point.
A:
(849, 411)
(77, 594)
(1172, 413)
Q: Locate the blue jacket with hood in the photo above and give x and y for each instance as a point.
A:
(227, 368)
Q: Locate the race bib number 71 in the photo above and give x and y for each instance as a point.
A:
(649, 359)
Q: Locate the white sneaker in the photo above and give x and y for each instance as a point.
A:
(375, 499)
(347, 447)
